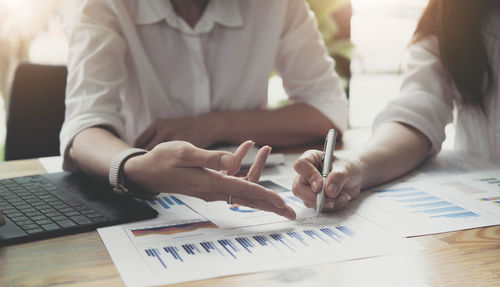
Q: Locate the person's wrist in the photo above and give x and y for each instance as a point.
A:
(362, 169)
(134, 171)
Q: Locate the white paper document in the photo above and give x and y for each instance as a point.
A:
(449, 162)
(193, 240)
(231, 216)
(439, 204)
(187, 250)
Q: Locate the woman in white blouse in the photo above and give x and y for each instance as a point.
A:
(454, 62)
(158, 74)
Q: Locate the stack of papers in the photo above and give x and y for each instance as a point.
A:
(185, 248)
(192, 239)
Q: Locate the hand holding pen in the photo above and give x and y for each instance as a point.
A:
(328, 149)
(324, 178)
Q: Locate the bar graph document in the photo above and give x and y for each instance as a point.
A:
(187, 250)
(440, 204)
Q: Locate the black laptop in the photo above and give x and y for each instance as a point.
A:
(54, 204)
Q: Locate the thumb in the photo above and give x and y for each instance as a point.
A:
(217, 160)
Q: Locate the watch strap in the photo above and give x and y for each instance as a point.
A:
(116, 176)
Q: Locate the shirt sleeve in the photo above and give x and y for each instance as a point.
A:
(426, 97)
(306, 68)
(96, 73)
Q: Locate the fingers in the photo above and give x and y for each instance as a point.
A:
(239, 155)
(307, 168)
(342, 184)
(338, 203)
(303, 191)
(259, 163)
(308, 181)
(145, 138)
(286, 211)
(191, 156)
(241, 188)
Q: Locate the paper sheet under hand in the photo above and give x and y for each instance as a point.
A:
(188, 250)
(182, 245)
(231, 216)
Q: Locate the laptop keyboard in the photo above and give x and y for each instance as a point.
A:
(36, 205)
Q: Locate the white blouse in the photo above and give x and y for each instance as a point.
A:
(428, 96)
(133, 61)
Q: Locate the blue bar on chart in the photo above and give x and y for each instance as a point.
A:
(442, 210)
(332, 233)
(153, 252)
(346, 230)
(298, 237)
(174, 251)
(457, 215)
(166, 201)
(208, 246)
(403, 189)
(314, 234)
(430, 204)
(245, 243)
(279, 237)
(420, 202)
(235, 248)
(420, 199)
(190, 249)
(403, 194)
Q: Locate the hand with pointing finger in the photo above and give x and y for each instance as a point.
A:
(342, 184)
(180, 167)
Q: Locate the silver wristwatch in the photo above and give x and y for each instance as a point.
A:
(116, 177)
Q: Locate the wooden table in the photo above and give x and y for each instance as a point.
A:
(462, 258)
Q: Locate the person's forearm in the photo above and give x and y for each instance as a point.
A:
(291, 125)
(393, 150)
(94, 150)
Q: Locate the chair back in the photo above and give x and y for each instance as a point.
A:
(36, 111)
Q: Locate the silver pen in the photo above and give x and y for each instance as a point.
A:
(328, 149)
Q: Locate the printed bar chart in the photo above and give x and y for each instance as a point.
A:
(240, 247)
(420, 202)
(185, 250)
(434, 205)
(166, 201)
